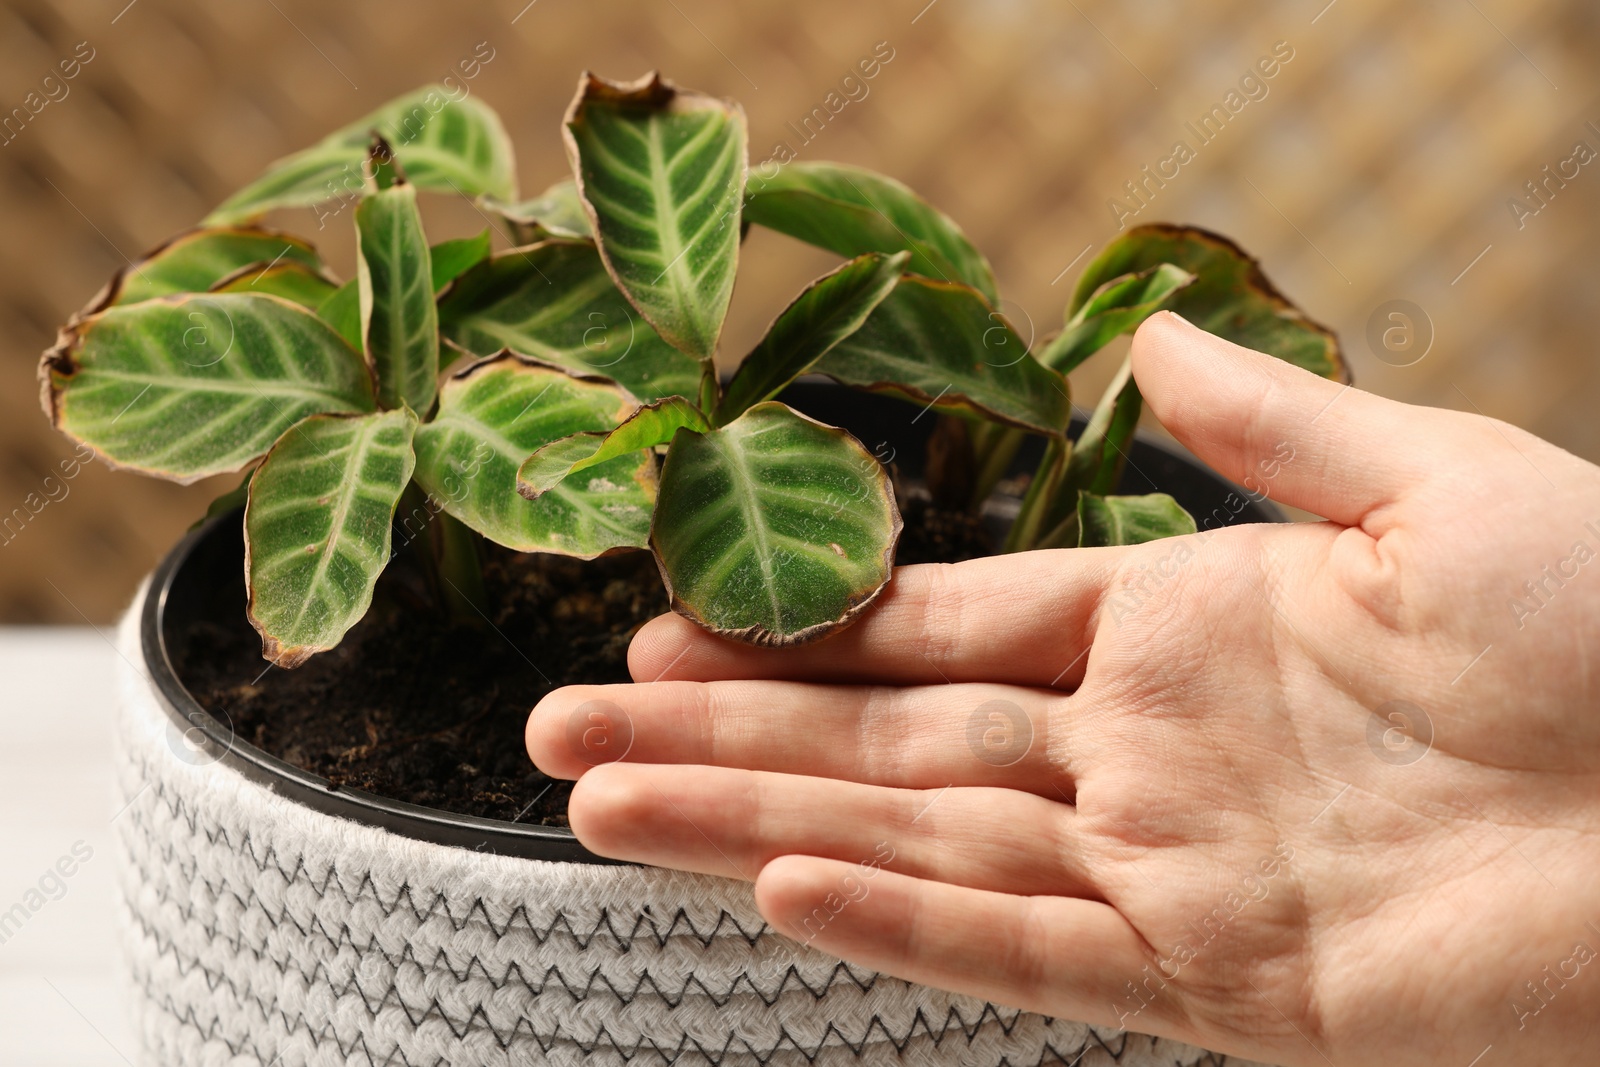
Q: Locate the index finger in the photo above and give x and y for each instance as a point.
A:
(1023, 619)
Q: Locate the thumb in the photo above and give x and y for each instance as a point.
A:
(1268, 425)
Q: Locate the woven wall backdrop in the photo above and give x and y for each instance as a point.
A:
(1379, 164)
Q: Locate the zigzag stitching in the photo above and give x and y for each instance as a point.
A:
(953, 1022)
(179, 810)
(171, 857)
(603, 1040)
(577, 992)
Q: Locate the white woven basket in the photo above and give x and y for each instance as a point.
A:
(261, 932)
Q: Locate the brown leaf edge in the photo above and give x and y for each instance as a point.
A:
(651, 92)
(265, 267)
(112, 289)
(1256, 280)
(271, 650)
(646, 475)
(761, 636)
(508, 354)
(59, 365)
(379, 154)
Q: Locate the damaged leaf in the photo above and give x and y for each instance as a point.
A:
(647, 427)
(493, 416)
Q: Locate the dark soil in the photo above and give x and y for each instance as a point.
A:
(412, 708)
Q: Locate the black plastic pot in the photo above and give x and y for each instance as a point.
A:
(202, 579)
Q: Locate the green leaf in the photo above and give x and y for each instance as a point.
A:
(1230, 296)
(851, 210)
(399, 319)
(941, 344)
(292, 280)
(1094, 465)
(444, 145)
(1116, 308)
(342, 311)
(661, 171)
(648, 426)
(555, 302)
(191, 385)
(1101, 451)
(832, 308)
(493, 416)
(316, 529)
(453, 258)
(556, 212)
(1129, 520)
(193, 262)
(774, 529)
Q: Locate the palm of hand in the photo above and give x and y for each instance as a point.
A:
(1316, 793)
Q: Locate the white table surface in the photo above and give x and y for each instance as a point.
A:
(59, 972)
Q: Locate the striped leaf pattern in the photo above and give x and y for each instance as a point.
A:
(399, 320)
(193, 262)
(443, 143)
(831, 309)
(943, 345)
(774, 529)
(555, 302)
(188, 386)
(662, 172)
(1230, 297)
(497, 413)
(1129, 520)
(647, 427)
(317, 528)
(851, 210)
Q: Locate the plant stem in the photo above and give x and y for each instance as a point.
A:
(994, 447)
(455, 559)
(709, 390)
(1065, 535)
(1030, 520)
(1049, 511)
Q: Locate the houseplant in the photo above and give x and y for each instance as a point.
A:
(261, 923)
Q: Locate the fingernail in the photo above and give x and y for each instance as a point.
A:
(1181, 319)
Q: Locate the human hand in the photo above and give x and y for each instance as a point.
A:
(1312, 793)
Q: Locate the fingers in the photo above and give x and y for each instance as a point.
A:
(1274, 428)
(921, 737)
(732, 823)
(1062, 957)
(1023, 619)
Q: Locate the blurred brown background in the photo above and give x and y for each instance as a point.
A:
(1377, 166)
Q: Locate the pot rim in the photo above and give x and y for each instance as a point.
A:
(199, 727)
(415, 821)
